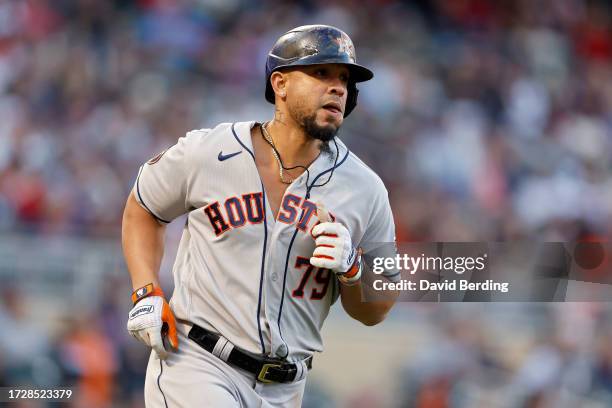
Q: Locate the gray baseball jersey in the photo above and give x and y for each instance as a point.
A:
(239, 271)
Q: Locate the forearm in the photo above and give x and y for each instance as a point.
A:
(143, 244)
(368, 313)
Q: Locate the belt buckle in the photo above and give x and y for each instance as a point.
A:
(264, 371)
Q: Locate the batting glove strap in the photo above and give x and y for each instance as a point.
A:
(353, 275)
(146, 291)
(334, 249)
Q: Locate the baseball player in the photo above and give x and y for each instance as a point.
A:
(278, 214)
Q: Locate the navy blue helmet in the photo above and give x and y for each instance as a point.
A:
(313, 45)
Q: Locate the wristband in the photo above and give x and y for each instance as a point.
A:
(146, 291)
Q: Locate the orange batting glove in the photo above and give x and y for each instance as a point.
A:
(334, 249)
(151, 320)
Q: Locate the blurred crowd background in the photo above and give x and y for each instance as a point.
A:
(487, 120)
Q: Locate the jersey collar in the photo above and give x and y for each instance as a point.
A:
(323, 163)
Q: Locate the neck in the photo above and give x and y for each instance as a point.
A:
(293, 144)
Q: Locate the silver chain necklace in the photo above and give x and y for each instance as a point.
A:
(268, 139)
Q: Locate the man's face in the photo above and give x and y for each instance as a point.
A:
(316, 98)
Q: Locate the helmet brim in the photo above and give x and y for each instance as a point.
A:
(358, 73)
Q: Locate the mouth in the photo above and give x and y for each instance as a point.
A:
(333, 107)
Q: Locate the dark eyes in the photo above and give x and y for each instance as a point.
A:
(321, 73)
(324, 73)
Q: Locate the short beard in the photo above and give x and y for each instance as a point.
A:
(322, 133)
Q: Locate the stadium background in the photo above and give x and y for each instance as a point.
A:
(487, 120)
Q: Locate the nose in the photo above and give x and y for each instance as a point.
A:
(337, 87)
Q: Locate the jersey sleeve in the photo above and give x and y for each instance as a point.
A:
(379, 237)
(161, 185)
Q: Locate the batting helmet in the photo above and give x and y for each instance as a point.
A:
(312, 45)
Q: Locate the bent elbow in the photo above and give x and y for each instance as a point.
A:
(372, 320)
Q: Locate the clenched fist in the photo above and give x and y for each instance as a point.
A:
(334, 249)
(151, 320)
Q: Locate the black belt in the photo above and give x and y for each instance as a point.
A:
(265, 369)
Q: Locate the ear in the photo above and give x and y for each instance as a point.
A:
(278, 80)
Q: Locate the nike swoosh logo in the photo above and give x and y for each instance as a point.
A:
(223, 157)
